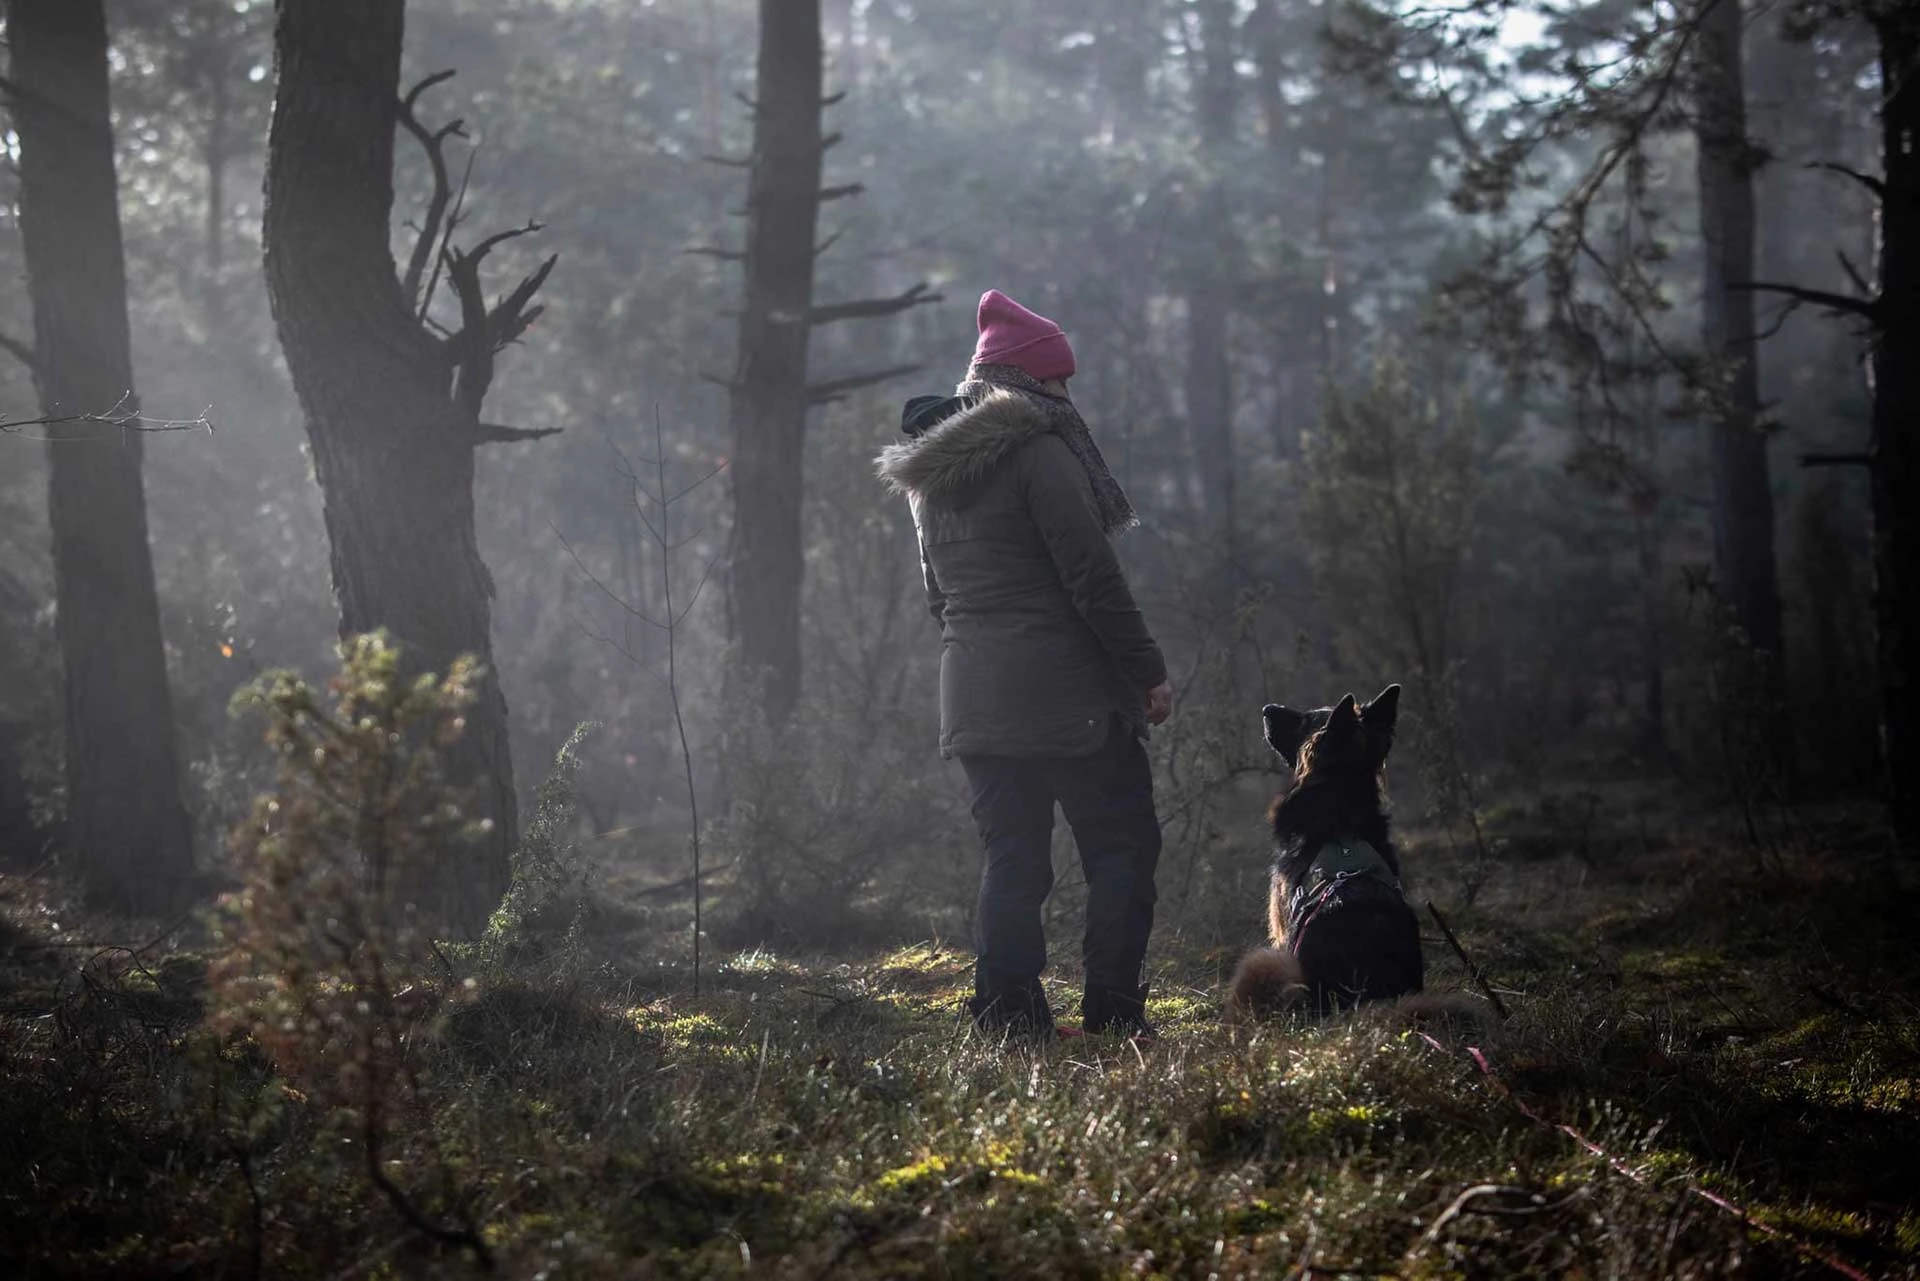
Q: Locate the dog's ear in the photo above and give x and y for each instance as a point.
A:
(1285, 728)
(1381, 713)
(1345, 716)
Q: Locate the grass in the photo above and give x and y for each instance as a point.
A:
(1711, 1025)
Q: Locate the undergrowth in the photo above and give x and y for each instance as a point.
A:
(1706, 1074)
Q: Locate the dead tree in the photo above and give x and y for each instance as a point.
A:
(1889, 307)
(769, 390)
(392, 402)
(125, 819)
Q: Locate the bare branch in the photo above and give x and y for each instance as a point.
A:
(829, 242)
(870, 308)
(599, 584)
(841, 192)
(684, 490)
(1780, 318)
(706, 576)
(834, 99)
(512, 316)
(1836, 460)
(831, 141)
(484, 331)
(1877, 186)
(714, 251)
(500, 434)
(454, 218)
(20, 351)
(838, 388)
(488, 245)
(434, 143)
(727, 162)
(1851, 306)
(413, 95)
(1853, 273)
(119, 416)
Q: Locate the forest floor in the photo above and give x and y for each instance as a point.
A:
(1712, 1067)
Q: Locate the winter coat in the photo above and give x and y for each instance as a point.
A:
(1042, 642)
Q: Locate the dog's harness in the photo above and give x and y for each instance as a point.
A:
(1337, 864)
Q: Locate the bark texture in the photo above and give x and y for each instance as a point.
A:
(1743, 518)
(393, 437)
(1895, 451)
(125, 817)
(770, 394)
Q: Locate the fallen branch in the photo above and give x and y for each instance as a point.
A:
(1471, 1200)
(1806, 1249)
(1473, 971)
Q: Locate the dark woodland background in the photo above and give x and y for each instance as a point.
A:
(1554, 363)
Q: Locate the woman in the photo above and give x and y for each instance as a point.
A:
(1048, 676)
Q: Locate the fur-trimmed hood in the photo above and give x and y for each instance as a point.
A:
(953, 457)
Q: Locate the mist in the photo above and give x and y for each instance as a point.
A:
(1548, 365)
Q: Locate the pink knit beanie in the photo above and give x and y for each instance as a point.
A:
(1012, 335)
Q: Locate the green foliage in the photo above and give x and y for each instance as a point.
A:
(832, 1116)
(326, 959)
(359, 793)
(546, 898)
(1389, 507)
(1389, 495)
(327, 952)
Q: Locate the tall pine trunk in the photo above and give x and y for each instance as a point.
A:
(769, 393)
(393, 452)
(1895, 483)
(125, 816)
(1743, 537)
(1211, 281)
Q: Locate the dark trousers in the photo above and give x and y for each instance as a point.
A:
(1108, 801)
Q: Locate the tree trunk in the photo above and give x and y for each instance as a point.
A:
(214, 150)
(1211, 280)
(1266, 33)
(1743, 539)
(1126, 48)
(769, 395)
(125, 817)
(1895, 480)
(1653, 649)
(393, 452)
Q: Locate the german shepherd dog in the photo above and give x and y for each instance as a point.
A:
(1341, 930)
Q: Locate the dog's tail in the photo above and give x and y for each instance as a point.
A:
(1267, 981)
(1449, 1016)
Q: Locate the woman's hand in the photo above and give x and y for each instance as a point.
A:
(1159, 703)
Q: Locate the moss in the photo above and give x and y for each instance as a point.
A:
(619, 1126)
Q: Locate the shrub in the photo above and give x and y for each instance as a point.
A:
(328, 961)
(539, 920)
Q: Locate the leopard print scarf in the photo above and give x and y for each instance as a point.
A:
(1116, 512)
